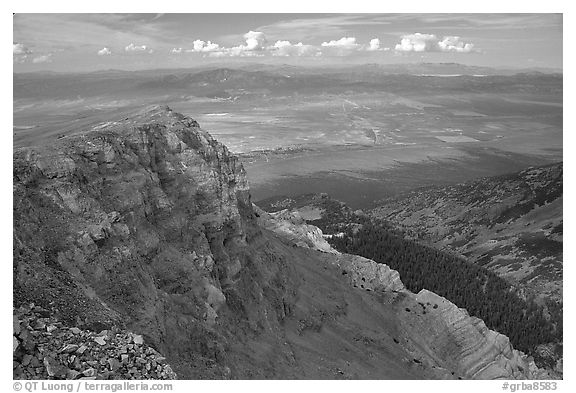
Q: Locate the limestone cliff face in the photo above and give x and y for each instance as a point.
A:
(435, 332)
(447, 337)
(146, 222)
(292, 225)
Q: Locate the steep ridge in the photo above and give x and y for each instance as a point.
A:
(511, 224)
(437, 334)
(145, 224)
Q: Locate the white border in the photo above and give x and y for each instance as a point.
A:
(303, 6)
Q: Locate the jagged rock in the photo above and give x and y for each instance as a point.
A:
(68, 355)
(16, 326)
(69, 348)
(477, 352)
(39, 324)
(367, 274)
(137, 339)
(26, 359)
(114, 364)
(54, 368)
(132, 189)
(292, 225)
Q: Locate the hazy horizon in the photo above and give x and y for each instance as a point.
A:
(222, 65)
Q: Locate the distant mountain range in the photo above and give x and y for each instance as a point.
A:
(217, 81)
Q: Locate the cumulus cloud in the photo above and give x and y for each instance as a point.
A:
(343, 43)
(349, 46)
(20, 53)
(419, 42)
(453, 44)
(104, 52)
(138, 48)
(42, 59)
(255, 40)
(20, 49)
(256, 44)
(286, 48)
(374, 45)
(201, 46)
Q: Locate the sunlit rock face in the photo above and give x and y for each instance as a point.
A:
(460, 343)
(293, 226)
(436, 333)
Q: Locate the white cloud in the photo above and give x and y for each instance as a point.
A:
(348, 46)
(138, 48)
(256, 45)
(201, 46)
(176, 51)
(104, 52)
(43, 59)
(374, 45)
(20, 53)
(255, 40)
(344, 43)
(20, 49)
(453, 44)
(419, 42)
(286, 48)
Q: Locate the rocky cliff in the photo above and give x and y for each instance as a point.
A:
(144, 226)
(146, 222)
(437, 334)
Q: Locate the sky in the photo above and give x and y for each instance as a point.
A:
(91, 42)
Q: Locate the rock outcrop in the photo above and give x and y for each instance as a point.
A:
(146, 223)
(292, 225)
(449, 338)
(435, 331)
(366, 274)
(46, 348)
